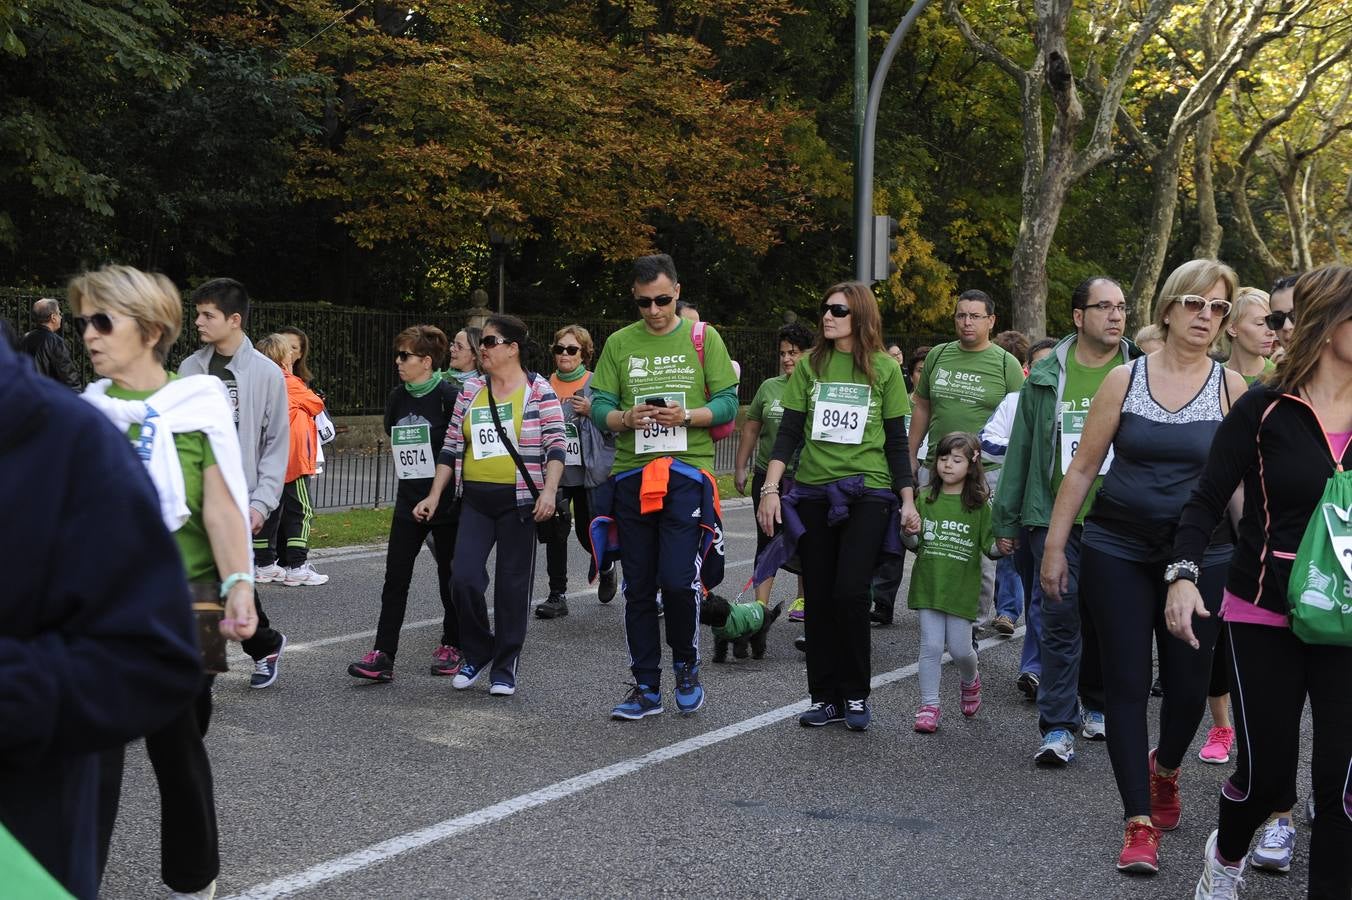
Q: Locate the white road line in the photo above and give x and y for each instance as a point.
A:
(413, 840)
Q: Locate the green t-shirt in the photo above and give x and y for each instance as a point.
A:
(195, 457)
(947, 571)
(744, 620)
(963, 388)
(637, 364)
(1082, 384)
(767, 408)
(1268, 366)
(486, 459)
(843, 431)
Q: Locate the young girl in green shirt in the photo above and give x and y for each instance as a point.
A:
(955, 531)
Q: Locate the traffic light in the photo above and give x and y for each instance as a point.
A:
(885, 230)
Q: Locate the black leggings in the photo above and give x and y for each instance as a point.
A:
(405, 543)
(556, 551)
(1126, 601)
(1220, 665)
(838, 563)
(1273, 672)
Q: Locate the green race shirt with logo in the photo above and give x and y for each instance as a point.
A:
(767, 407)
(637, 364)
(964, 387)
(843, 431)
(952, 540)
(1082, 383)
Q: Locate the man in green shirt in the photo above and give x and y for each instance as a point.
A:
(1053, 405)
(661, 395)
(962, 384)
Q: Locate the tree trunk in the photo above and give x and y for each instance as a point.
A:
(1209, 226)
(1164, 202)
(1248, 229)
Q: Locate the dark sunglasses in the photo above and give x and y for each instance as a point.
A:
(492, 340)
(839, 310)
(645, 302)
(1277, 320)
(566, 351)
(403, 355)
(102, 322)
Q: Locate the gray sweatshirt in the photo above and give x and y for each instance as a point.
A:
(264, 425)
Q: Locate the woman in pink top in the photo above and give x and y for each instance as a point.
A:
(1282, 440)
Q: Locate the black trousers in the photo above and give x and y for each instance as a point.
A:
(265, 640)
(406, 541)
(189, 845)
(556, 551)
(285, 535)
(838, 563)
(1126, 601)
(1220, 667)
(1273, 672)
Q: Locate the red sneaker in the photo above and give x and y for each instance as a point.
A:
(1140, 849)
(1166, 808)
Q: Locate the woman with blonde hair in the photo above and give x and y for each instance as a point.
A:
(1158, 414)
(1247, 339)
(844, 408)
(183, 429)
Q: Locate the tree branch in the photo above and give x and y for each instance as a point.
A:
(981, 46)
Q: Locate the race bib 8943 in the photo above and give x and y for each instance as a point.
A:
(840, 412)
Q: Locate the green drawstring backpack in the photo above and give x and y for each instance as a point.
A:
(22, 876)
(1319, 592)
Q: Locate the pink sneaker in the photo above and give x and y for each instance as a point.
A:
(927, 719)
(971, 697)
(446, 660)
(1216, 750)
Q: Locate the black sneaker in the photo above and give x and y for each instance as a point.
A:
(553, 608)
(374, 666)
(880, 617)
(819, 714)
(1028, 683)
(800, 644)
(605, 592)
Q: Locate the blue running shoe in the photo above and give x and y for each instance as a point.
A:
(641, 701)
(1276, 847)
(467, 675)
(1058, 748)
(689, 692)
(857, 715)
(819, 714)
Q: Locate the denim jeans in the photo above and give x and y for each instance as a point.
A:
(1008, 589)
(1072, 670)
(1031, 659)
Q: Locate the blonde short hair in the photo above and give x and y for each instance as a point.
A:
(1244, 298)
(1193, 277)
(275, 347)
(148, 298)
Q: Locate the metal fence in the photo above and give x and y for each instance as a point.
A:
(351, 351)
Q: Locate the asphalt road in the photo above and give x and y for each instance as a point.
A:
(330, 787)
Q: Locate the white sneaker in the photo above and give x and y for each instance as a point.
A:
(269, 574)
(305, 575)
(205, 893)
(501, 689)
(1218, 881)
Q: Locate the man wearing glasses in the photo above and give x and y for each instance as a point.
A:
(962, 384)
(1053, 406)
(661, 395)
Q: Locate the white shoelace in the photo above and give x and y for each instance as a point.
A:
(261, 666)
(1273, 835)
(855, 705)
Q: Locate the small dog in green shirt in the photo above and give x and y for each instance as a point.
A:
(739, 624)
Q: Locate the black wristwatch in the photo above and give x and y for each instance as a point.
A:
(1184, 569)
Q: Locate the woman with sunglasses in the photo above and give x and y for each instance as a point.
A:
(844, 409)
(1158, 415)
(1283, 441)
(589, 455)
(417, 414)
(498, 506)
(184, 431)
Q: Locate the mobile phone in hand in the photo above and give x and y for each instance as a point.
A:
(656, 401)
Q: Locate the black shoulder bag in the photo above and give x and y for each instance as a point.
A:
(557, 526)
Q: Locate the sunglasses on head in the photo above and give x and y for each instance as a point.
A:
(839, 310)
(1195, 303)
(662, 300)
(404, 355)
(102, 322)
(492, 340)
(566, 351)
(1277, 320)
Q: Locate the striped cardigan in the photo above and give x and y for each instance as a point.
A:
(541, 438)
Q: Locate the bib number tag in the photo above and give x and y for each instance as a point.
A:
(485, 442)
(662, 439)
(1072, 429)
(840, 412)
(412, 448)
(572, 448)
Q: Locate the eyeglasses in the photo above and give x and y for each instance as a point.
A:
(1195, 303)
(405, 355)
(1105, 307)
(492, 340)
(562, 350)
(838, 310)
(662, 300)
(970, 317)
(102, 322)
(1277, 320)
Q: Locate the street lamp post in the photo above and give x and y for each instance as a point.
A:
(500, 242)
